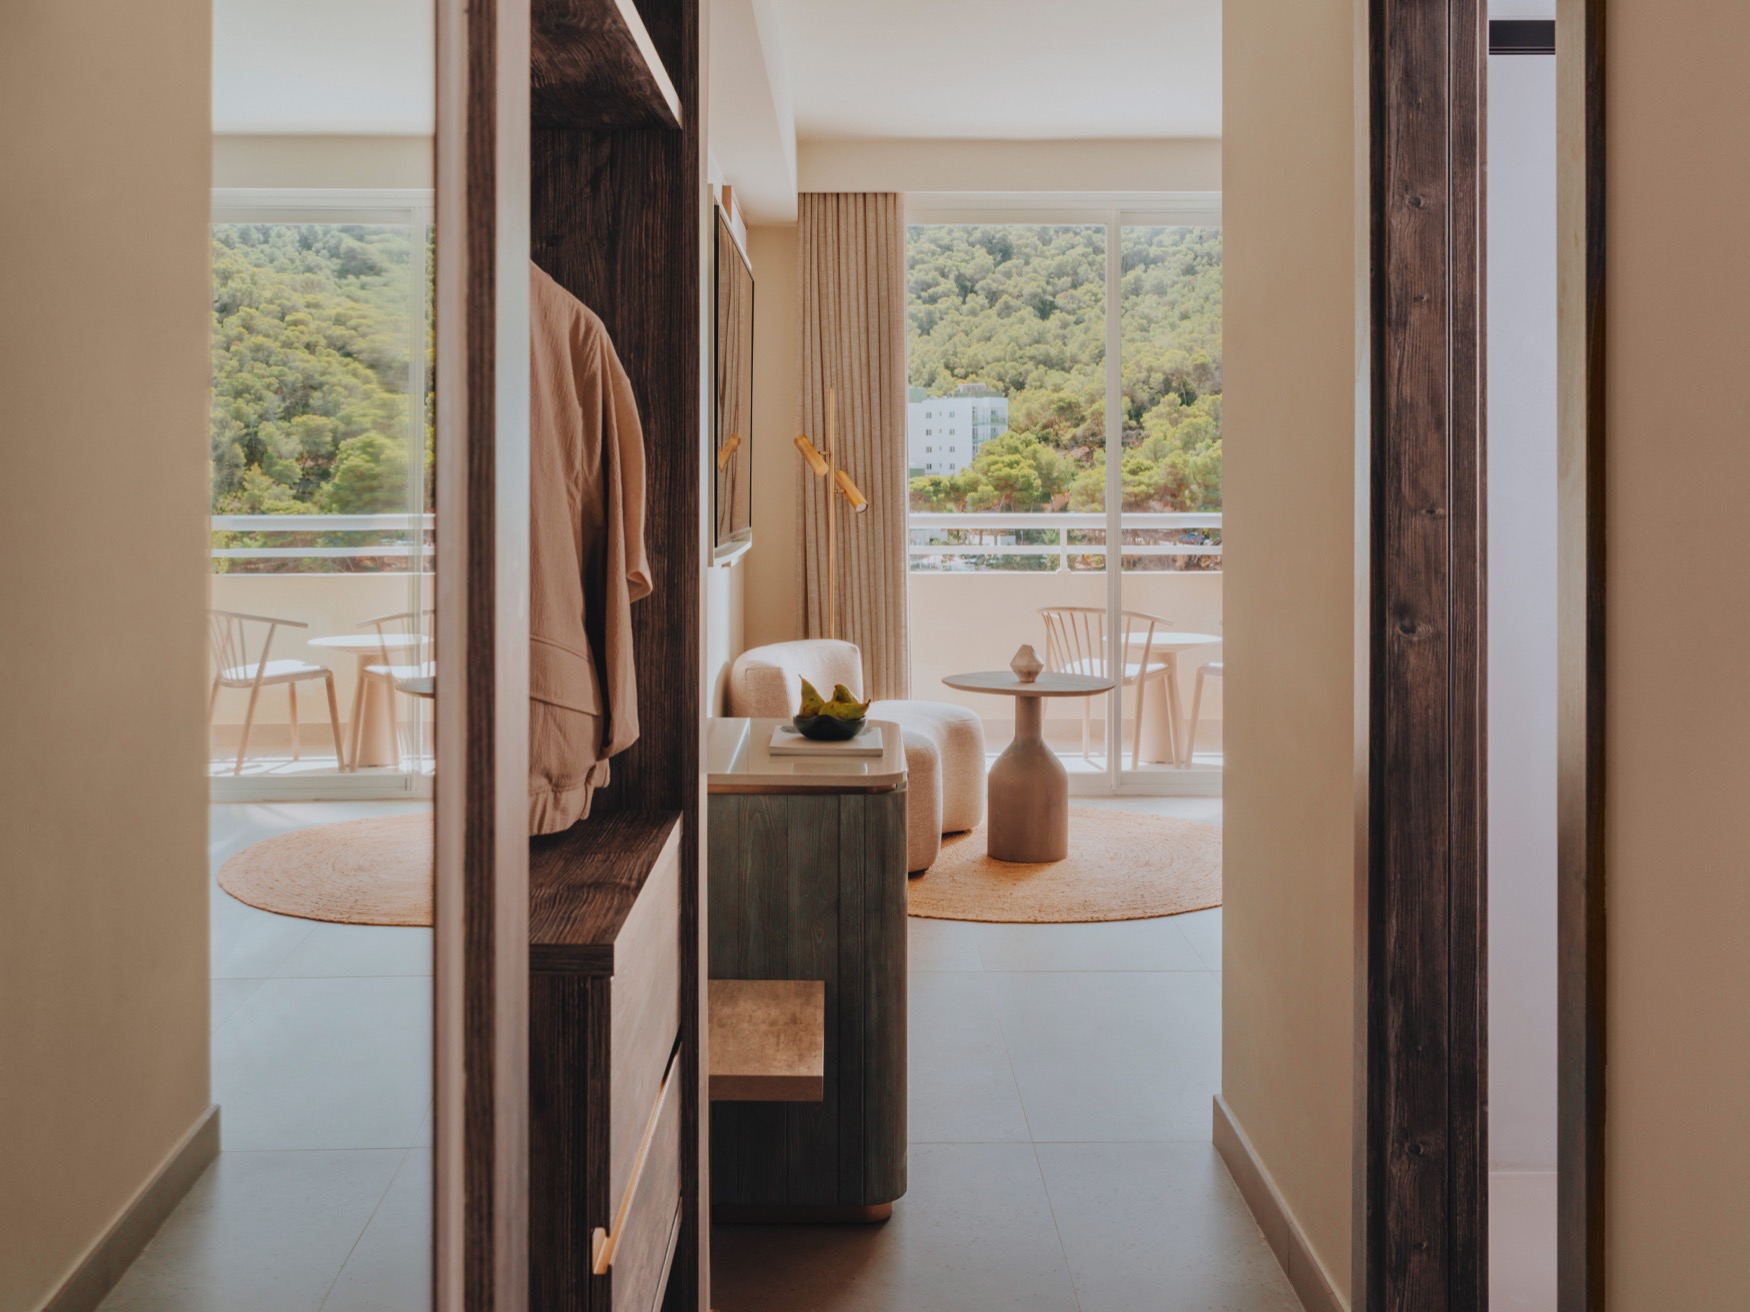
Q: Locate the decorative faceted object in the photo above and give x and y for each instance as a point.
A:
(1027, 664)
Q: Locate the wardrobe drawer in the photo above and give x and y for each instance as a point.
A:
(644, 1011)
(635, 1255)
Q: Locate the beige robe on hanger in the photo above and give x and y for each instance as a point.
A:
(587, 562)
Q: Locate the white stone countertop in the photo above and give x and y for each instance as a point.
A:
(738, 759)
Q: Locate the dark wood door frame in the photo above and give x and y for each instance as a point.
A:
(1580, 767)
(481, 931)
(1423, 1220)
(1426, 1157)
(1427, 1129)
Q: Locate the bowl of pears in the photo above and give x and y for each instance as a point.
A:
(830, 720)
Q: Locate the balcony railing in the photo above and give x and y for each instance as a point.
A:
(971, 541)
(411, 537)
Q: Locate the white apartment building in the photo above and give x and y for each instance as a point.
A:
(944, 433)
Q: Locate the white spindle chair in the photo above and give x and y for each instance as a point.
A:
(1075, 643)
(405, 666)
(240, 663)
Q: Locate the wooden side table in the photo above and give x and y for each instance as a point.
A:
(1028, 798)
(372, 725)
(806, 863)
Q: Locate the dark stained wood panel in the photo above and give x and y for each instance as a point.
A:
(618, 219)
(569, 1063)
(1580, 525)
(583, 884)
(593, 64)
(1426, 1161)
(481, 789)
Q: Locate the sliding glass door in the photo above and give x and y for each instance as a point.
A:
(1029, 330)
(321, 482)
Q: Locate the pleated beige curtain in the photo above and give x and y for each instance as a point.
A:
(853, 342)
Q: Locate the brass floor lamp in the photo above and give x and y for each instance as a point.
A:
(838, 484)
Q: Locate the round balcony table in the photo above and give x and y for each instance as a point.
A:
(372, 726)
(1029, 788)
(1163, 718)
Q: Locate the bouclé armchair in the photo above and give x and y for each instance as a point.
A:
(944, 743)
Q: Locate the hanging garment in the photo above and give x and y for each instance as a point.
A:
(587, 563)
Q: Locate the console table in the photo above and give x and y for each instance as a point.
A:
(806, 866)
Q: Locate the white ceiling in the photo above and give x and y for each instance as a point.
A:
(324, 66)
(1017, 69)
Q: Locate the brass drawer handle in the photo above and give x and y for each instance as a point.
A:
(602, 1243)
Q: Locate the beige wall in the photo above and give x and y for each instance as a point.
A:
(103, 357)
(725, 628)
(1678, 818)
(1290, 148)
(770, 567)
(247, 160)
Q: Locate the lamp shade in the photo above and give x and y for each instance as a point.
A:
(816, 461)
(858, 502)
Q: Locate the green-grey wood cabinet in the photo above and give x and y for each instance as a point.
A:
(810, 883)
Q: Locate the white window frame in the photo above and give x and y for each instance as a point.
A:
(410, 206)
(1114, 211)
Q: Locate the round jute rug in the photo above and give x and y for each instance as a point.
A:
(1122, 865)
(357, 872)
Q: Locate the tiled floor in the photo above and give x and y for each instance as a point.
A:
(321, 1196)
(1061, 1081)
(1061, 1078)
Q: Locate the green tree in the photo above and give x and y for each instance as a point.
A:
(370, 477)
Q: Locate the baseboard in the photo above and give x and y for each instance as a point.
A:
(89, 1283)
(1312, 1283)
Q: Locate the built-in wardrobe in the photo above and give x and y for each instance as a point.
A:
(617, 1212)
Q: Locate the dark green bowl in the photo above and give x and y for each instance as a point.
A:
(828, 728)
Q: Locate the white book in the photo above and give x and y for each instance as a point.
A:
(786, 741)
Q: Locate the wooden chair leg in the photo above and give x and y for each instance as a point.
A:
(394, 716)
(1087, 727)
(292, 704)
(1196, 710)
(248, 720)
(1136, 737)
(334, 720)
(355, 726)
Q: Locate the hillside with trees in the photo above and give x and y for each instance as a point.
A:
(313, 397)
(1022, 310)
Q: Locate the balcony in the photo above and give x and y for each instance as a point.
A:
(979, 580)
(330, 573)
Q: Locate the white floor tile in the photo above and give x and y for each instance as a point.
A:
(390, 1269)
(1112, 1056)
(227, 996)
(974, 1233)
(259, 1232)
(326, 1063)
(1203, 930)
(961, 1087)
(357, 950)
(941, 944)
(1159, 1226)
(1132, 945)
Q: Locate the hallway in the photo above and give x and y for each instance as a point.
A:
(1061, 1080)
(321, 1196)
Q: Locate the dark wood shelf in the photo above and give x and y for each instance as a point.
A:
(583, 882)
(592, 64)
